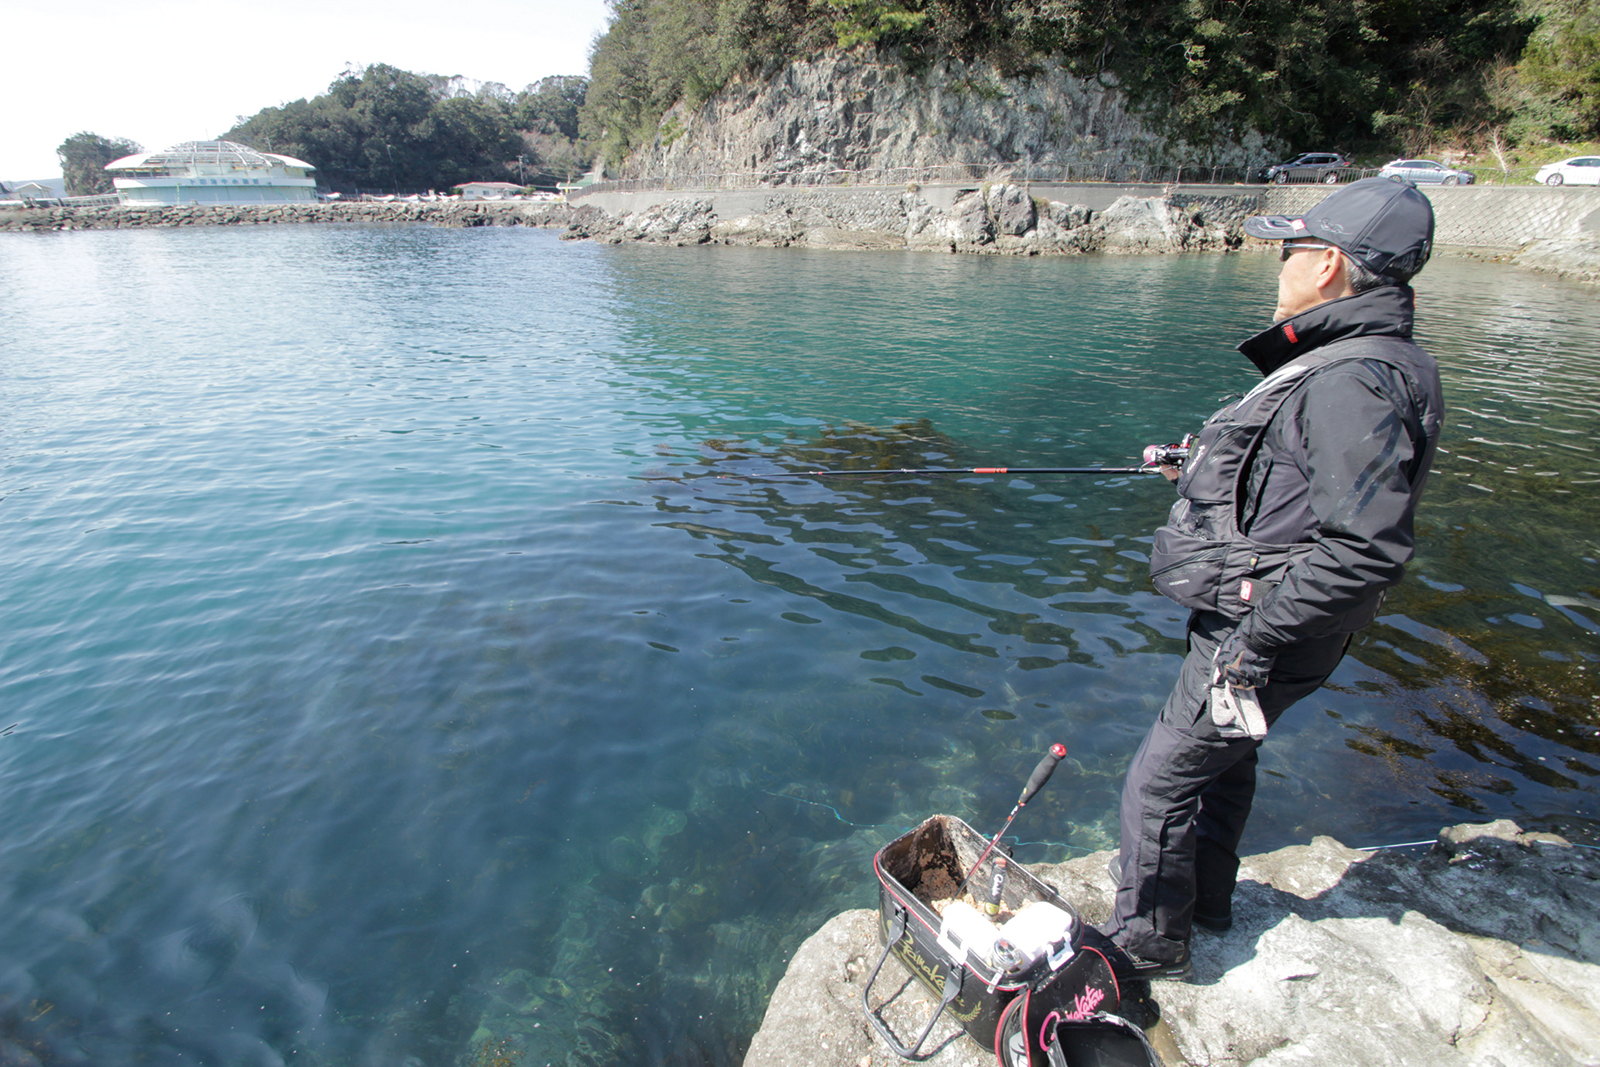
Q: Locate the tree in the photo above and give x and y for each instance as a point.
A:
(551, 106)
(383, 129)
(1563, 64)
(83, 161)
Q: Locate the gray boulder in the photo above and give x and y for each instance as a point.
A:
(1012, 209)
(1482, 952)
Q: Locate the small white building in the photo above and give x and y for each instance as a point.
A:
(488, 190)
(211, 172)
(35, 191)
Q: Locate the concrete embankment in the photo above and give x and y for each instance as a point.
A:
(1484, 951)
(1555, 231)
(437, 213)
(1551, 230)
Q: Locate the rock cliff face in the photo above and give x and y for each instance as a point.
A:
(1483, 952)
(853, 112)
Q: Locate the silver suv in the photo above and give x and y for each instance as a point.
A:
(1326, 167)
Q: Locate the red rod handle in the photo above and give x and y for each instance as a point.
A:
(1041, 774)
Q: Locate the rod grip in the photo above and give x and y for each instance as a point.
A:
(1041, 774)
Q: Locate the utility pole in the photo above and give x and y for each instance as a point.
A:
(394, 182)
(520, 161)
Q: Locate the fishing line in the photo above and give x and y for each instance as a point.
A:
(1434, 841)
(836, 815)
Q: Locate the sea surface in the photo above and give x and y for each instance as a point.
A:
(408, 659)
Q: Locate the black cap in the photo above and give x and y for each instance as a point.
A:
(1383, 224)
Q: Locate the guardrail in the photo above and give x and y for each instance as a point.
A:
(1020, 173)
(98, 200)
(956, 173)
(944, 174)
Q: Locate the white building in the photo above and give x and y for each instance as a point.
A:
(488, 190)
(211, 172)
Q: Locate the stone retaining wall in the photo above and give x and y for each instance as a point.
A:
(1481, 216)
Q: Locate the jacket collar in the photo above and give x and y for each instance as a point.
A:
(1386, 311)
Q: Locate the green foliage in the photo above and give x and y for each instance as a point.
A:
(1561, 67)
(869, 21)
(659, 52)
(385, 130)
(551, 106)
(1312, 73)
(83, 161)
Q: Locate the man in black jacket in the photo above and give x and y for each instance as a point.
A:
(1295, 513)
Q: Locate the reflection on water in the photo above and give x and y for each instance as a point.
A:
(413, 670)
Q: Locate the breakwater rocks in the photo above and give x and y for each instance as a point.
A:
(996, 218)
(1482, 952)
(437, 213)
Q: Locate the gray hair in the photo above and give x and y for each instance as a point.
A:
(1362, 280)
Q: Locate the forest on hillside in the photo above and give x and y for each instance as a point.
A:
(1380, 74)
(386, 130)
(1372, 76)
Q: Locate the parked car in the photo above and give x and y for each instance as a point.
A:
(1579, 170)
(1308, 167)
(1423, 171)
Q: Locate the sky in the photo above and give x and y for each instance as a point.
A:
(160, 72)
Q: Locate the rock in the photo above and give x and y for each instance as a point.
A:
(1012, 209)
(1575, 258)
(1068, 216)
(1482, 952)
(438, 213)
(971, 224)
(858, 112)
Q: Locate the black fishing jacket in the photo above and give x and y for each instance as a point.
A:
(1320, 520)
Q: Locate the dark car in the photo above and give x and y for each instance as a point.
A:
(1309, 167)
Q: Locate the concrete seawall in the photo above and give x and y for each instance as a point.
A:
(1555, 231)
(1491, 217)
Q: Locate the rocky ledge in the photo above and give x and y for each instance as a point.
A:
(996, 218)
(438, 213)
(1482, 952)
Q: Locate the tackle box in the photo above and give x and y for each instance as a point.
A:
(920, 875)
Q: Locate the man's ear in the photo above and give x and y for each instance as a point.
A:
(1332, 278)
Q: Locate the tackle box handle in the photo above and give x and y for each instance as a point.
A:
(952, 989)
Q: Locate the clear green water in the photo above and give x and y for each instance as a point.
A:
(395, 682)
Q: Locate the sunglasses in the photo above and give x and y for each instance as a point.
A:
(1289, 249)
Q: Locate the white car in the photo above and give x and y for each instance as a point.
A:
(1579, 170)
(1425, 171)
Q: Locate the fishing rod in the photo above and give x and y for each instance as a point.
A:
(946, 470)
(1041, 774)
(1155, 457)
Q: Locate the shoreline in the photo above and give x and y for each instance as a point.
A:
(453, 214)
(1479, 952)
(998, 219)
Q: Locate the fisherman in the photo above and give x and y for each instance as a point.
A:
(1295, 514)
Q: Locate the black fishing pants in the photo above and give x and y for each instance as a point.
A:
(1188, 794)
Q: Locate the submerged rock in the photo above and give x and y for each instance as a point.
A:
(1482, 952)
